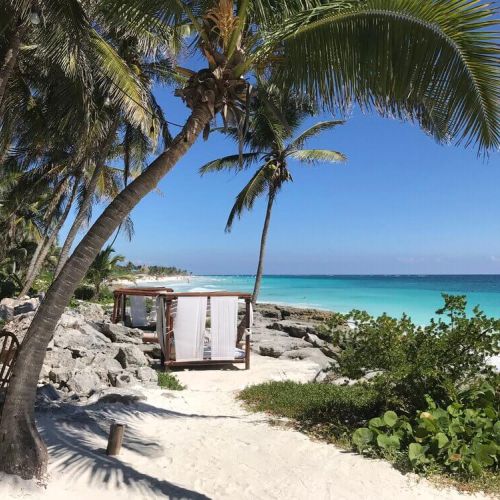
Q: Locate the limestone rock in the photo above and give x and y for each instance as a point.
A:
(147, 375)
(19, 325)
(120, 333)
(297, 329)
(125, 379)
(131, 355)
(84, 382)
(26, 306)
(93, 313)
(310, 354)
(7, 309)
(275, 346)
(85, 337)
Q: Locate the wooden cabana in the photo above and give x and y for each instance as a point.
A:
(121, 294)
(169, 312)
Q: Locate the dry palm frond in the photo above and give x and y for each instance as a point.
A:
(223, 20)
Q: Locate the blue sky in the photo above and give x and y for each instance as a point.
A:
(401, 204)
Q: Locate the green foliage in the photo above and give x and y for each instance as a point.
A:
(105, 295)
(9, 286)
(102, 268)
(462, 438)
(412, 361)
(345, 406)
(85, 292)
(169, 381)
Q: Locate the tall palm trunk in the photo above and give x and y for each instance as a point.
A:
(22, 451)
(260, 267)
(87, 199)
(263, 240)
(49, 217)
(79, 219)
(49, 242)
(9, 61)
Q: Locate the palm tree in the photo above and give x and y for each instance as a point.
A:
(102, 268)
(269, 136)
(433, 62)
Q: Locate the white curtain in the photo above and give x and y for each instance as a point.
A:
(161, 330)
(224, 326)
(189, 328)
(138, 310)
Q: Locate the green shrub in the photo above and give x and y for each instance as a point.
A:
(105, 294)
(412, 361)
(169, 381)
(8, 287)
(85, 292)
(461, 438)
(341, 407)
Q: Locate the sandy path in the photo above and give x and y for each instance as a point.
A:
(200, 443)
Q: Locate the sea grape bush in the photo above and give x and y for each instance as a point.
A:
(412, 361)
(462, 438)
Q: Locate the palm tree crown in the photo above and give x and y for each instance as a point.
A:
(272, 144)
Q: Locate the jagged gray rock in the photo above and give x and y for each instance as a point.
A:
(131, 356)
(26, 306)
(275, 346)
(298, 329)
(19, 325)
(93, 313)
(147, 375)
(311, 354)
(84, 382)
(81, 360)
(120, 333)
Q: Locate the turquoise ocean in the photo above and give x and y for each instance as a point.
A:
(419, 295)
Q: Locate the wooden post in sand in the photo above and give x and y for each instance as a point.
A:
(115, 439)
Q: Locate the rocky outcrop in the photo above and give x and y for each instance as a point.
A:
(14, 307)
(292, 333)
(87, 353)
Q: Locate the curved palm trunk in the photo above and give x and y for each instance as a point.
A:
(263, 240)
(87, 200)
(51, 211)
(47, 243)
(22, 451)
(9, 61)
(79, 219)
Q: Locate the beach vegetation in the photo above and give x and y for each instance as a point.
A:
(64, 80)
(342, 407)
(85, 292)
(169, 381)
(462, 438)
(409, 362)
(102, 269)
(425, 398)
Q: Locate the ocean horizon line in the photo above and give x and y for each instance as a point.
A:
(348, 275)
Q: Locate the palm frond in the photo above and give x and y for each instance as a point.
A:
(231, 162)
(313, 156)
(316, 129)
(256, 186)
(436, 62)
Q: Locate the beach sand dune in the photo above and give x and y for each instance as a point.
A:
(202, 443)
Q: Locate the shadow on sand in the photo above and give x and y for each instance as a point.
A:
(76, 437)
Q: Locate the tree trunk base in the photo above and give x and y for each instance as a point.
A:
(22, 450)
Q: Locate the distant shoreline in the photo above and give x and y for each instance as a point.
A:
(144, 279)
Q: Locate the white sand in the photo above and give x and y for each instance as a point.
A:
(201, 443)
